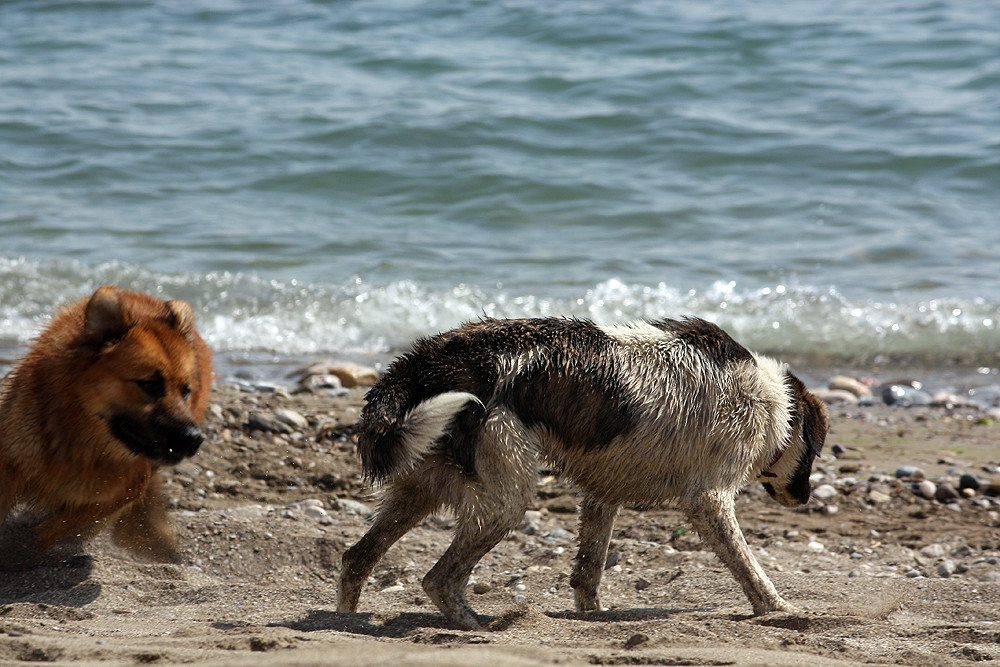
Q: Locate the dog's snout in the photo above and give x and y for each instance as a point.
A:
(191, 437)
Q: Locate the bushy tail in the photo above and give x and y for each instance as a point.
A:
(390, 443)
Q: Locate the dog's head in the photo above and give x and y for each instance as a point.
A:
(787, 479)
(146, 374)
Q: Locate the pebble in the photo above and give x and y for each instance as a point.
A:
(932, 551)
(946, 569)
(835, 396)
(946, 399)
(531, 523)
(904, 396)
(348, 373)
(481, 588)
(319, 382)
(927, 489)
(268, 423)
(909, 472)
(519, 598)
(352, 507)
(852, 385)
(815, 546)
(314, 512)
(968, 481)
(946, 493)
(985, 396)
(824, 492)
(256, 386)
(558, 535)
(291, 418)
(878, 497)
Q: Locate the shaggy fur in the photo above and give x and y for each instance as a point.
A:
(115, 385)
(639, 414)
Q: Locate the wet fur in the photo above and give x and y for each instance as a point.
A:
(638, 415)
(115, 385)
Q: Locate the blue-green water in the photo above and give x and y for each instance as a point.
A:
(340, 177)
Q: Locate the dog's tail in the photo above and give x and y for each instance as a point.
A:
(392, 439)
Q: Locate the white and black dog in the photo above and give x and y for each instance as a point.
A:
(637, 414)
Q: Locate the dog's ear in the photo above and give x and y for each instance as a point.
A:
(181, 318)
(815, 422)
(104, 318)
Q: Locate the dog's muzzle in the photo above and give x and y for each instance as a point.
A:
(163, 440)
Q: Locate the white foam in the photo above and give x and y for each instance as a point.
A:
(244, 313)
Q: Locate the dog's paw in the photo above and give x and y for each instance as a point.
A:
(585, 602)
(786, 608)
(774, 606)
(462, 617)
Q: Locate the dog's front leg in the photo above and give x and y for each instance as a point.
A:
(714, 517)
(143, 526)
(596, 521)
(79, 519)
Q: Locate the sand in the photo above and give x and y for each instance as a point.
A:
(263, 518)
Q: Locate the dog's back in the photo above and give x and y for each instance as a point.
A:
(581, 388)
(441, 391)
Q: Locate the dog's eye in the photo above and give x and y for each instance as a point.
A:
(185, 391)
(152, 386)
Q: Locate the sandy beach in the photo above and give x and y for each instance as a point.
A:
(882, 574)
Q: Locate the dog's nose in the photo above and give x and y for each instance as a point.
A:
(191, 438)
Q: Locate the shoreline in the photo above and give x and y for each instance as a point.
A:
(972, 386)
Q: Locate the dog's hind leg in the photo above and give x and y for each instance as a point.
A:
(713, 515)
(404, 506)
(596, 521)
(506, 468)
(475, 536)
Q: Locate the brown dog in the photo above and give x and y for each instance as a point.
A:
(635, 415)
(114, 386)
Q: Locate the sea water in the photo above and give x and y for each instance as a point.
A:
(325, 178)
